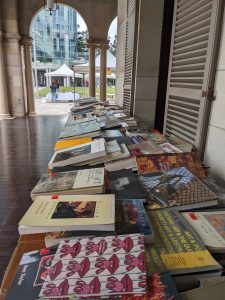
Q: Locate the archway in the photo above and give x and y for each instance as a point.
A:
(59, 40)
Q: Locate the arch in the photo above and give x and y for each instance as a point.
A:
(110, 24)
(91, 11)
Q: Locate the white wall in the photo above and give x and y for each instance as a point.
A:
(215, 144)
(148, 55)
(120, 51)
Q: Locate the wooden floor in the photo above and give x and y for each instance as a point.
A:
(26, 146)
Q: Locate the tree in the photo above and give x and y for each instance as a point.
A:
(82, 40)
(113, 45)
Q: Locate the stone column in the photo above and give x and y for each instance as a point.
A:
(4, 107)
(103, 66)
(26, 42)
(91, 69)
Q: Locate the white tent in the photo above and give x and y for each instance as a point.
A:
(111, 63)
(64, 71)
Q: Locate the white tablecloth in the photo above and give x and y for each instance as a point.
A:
(68, 96)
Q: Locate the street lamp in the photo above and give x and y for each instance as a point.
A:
(50, 5)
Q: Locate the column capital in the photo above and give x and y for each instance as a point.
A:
(12, 37)
(26, 40)
(98, 43)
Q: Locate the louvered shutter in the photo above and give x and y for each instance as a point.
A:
(192, 61)
(130, 55)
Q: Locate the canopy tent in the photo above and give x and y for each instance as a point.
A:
(64, 71)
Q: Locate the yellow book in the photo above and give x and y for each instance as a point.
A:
(63, 144)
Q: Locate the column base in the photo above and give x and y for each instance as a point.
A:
(6, 117)
(32, 114)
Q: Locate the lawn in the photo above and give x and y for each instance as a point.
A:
(83, 91)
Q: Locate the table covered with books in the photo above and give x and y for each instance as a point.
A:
(124, 213)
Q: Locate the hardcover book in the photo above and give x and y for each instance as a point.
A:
(88, 181)
(69, 212)
(131, 219)
(169, 148)
(98, 266)
(157, 162)
(78, 154)
(210, 226)
(143, 148)
(112, 133)
(176, 187)
(124, 185)
(177, 247)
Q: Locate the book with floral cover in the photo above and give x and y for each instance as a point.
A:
(112, 265)
(176, 187)
(157, 162)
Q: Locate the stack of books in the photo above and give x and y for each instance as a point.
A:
(127, 212)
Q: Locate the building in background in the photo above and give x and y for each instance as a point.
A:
(54, 42)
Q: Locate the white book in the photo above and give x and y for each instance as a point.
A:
(78, 154)
(69, 212)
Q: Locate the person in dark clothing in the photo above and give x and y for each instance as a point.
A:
(53, 88)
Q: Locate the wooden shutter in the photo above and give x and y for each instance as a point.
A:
(192, 61)
(130, 55)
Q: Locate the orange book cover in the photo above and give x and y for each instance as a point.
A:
(63, 144)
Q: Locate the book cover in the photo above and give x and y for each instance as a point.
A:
(176, 187)
(78, 154)
(79, 129)
(63, 144)
(180, 143)
(160, 286)
(169, 148)
(69, 181)
(144, 147)
(157, 162)
(217, 185)
(97, 266)
(177, 247)
(210, 226)
(69, 212)
(124, 185)
(112, 133)
(30, 274)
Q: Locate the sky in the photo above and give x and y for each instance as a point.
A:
(112, 28)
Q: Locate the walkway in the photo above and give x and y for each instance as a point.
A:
(44, 108)
(26, 148)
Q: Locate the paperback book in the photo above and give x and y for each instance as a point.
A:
(176, 187)
(89, 129)
(210, 226)
(131, 219)
(98, 266)
(78, 154)
(177, 247)
(157, 162)
(88, 181)
(69, 212)
(64, 144)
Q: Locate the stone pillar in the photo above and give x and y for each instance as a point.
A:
(4, 107)
(103, 66)
(64, 81)
(14, 74)
(68, 81)
(91, 69)
(26, 42)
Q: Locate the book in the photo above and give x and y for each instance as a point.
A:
(152, 163)
(30, 274)
(217, 185)
(98, 266)
(78, 154)
(69, 212)
(77, 120)
(131, 219)
(124, 185)
(210, 226)
(169, 148)
(176, 187)
(180, 143)
(87, 129)
(121, 164)
(157, 136)
(63, 144)
(177, 247)
(88, 181)
(160, 286)
(143, 148)
(112, 133)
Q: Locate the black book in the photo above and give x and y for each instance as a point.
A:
(124, 185)
(30, 274)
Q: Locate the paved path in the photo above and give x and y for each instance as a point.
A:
(43, 108)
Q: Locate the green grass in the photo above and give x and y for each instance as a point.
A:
(83, 91)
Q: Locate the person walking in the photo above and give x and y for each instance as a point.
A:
(53, 88)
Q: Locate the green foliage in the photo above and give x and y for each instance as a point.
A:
(113, 45)
(82, 40)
